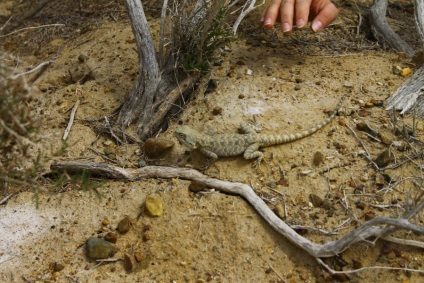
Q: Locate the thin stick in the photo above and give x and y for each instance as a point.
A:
(4, 200)
(40, 66)
(28, 28)
(279, 276)
(71, 120)
(72, 278)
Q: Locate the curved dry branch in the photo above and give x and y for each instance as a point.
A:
(368, 229)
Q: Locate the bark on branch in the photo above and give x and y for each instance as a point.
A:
(370, 229)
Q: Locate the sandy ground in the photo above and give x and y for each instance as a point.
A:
(286, 84)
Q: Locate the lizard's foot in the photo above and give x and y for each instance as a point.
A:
(257, 162)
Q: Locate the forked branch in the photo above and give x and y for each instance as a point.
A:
(375, 228)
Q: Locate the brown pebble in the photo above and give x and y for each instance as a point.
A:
(124, 225)
(155, 147)
(318, 158)
(138, 256)
(57, 267)
(368, 215)
(342, 122)
(111, 237)
(280, 211)
(297, 87)
(361, 205)
(316, 200)
(384, 158)
(147, 236)
(196, 187)
(241, 96)
(129, 262)
(341, 277)
(379, 179)
(217, 111)
(283, 182)
(391, 255)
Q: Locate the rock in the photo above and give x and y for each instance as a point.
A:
(111, 237)
(138, 256)
(56, 266)
(153, 206)
(110, 151)
(379, 179)
(124, 225)
(318, 158)
(384, 158)
(97, 248)
(279, 210)
(154, 147)
(196, 187)
(316, 200)
(105, 222)
(217, 111)
(129, 262)
(212, 85)
(385, 138)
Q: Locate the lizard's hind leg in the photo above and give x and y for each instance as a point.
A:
(252, 152)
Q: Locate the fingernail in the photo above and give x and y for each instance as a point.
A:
(286, 27)
(267, 22)
(300, 23)
(316, 26)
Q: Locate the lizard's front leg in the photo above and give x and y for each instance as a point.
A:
(252, 152)
(212, 157)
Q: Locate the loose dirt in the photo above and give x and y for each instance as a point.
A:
(284, 83)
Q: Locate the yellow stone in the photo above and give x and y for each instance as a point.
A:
(153, 206)
(406, 72)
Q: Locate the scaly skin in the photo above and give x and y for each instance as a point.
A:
(247, 143)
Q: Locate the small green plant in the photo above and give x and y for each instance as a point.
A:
(198, 34)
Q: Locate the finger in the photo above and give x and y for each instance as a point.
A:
(270, 14)
(286, 12)
(302, 8)
(324, 17)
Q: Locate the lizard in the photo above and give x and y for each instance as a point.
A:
(246, 143)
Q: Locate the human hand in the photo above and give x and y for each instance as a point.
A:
(298, 12)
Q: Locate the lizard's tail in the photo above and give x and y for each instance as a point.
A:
(297, 136)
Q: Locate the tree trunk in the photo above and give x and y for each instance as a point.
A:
(411, 93)
(382, 31)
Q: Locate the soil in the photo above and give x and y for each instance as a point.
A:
(284, 83)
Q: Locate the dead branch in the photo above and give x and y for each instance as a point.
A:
(382, 30)
(367, 230)
(410, 94)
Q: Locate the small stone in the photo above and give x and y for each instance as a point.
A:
(384, 158)
(97, 248)
(147, 236)
(249, 72)
(361, 205)
(385, 138)
(105, 222)
(124, 225)
(368, 215)
(110, 151)
(153, 206)
(364, 177)
(318, 158)
(316, 200)
(283, 182)
(369, 105)
(297, 87)
(138, 256)
(217, 111)
(196, 187)
(406, 72)
(241, 96)
(396, 70)
(279, 210)
(56, 274)
(82, 58)
(391, 255)
(130, 262)
(155, 147)
(142, 163)
(212, 85)
(379, 179)
(111, 237)
(58, 267)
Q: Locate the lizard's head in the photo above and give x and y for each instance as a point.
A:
(187, 136)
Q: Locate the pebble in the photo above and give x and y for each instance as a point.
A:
(217, 111)
(279, 210)
(385, 138)
(110, 151)
(297, 87)
(97, 248)
(105, 222)
(196, 187)
(155, 147)
(124, 225)
(111, 237)
(138, 256)
(384, 158)
(316, 200)
(379, 179)
(153, 206)
(129, 262)
(318, 158)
